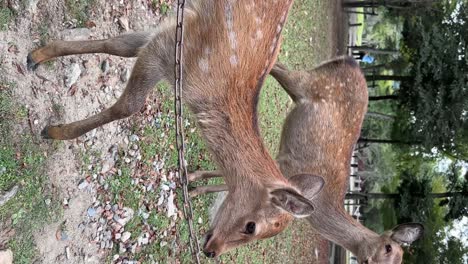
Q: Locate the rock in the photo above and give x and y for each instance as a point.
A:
(171, 208)
(6, 257)
(83, 184)
(125, 236)
(8, 195)
(165, 188)
(32, 6)
(125, 75)
(76, 34)
(163, 244)
(91, 212)
(72, 74)
(122, 248)
(67, 252)
(105, 66)
(134, 138)
(123, 22)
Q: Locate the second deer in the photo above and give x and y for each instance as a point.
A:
(318, 138)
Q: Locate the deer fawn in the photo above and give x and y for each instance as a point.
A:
(318, 139)
(230, 46)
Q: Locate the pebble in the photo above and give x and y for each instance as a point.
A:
(91, 212)
(125, 236)
(67, 252)
(134, 138)
(125, 75)
(83, 184)
(105, 66)
(72, 75)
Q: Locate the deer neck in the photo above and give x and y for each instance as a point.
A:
(233, 137)
(340, 228)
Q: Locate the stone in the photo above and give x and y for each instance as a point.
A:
(125, 236)
(72, 74)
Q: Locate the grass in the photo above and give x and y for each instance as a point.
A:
(79, 10)
(5, 18)
(35, 204)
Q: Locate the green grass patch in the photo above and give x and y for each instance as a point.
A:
(5, 17)
(21, 164)
(80, 10)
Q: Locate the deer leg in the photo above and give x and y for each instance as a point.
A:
(289, 80)
(126, 45)
(207, 189)
(200, 175)
(142, 80)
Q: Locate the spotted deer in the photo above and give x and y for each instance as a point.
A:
(230, 46)
(318, 138)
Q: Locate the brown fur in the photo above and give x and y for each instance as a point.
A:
(318, 139)
(230, 45)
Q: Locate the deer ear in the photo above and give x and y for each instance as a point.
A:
(291, 201)
(308, 185)
(407, 233)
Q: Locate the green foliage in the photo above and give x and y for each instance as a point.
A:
(434, 99)
(22, 165)
(407, 202)
(453, 252)
(5, 17)
(79, 10)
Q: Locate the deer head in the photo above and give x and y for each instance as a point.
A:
(269, 210)
(387, 248)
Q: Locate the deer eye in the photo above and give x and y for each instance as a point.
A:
(388, 248)
(250, 228)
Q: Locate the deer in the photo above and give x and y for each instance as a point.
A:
(318, 138)
(230, 46)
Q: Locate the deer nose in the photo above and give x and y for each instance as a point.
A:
(211, 254)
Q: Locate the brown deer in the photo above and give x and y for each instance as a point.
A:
(318, 138)
(230, 46)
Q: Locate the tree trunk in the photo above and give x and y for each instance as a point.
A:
(383, 97)
(380, 116)
(376, 196)
(386, 141)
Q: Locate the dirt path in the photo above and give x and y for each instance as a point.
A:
(49, 99)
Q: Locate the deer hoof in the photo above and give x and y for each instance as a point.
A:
(31, 64)
(45, 133)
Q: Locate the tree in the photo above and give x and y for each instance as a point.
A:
(434, 96)
(453, 252)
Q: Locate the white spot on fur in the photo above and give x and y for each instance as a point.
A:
(258, 35)
(233, 60)
(232, 39)
(203, 64)
(327, 87)
(207, 51)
